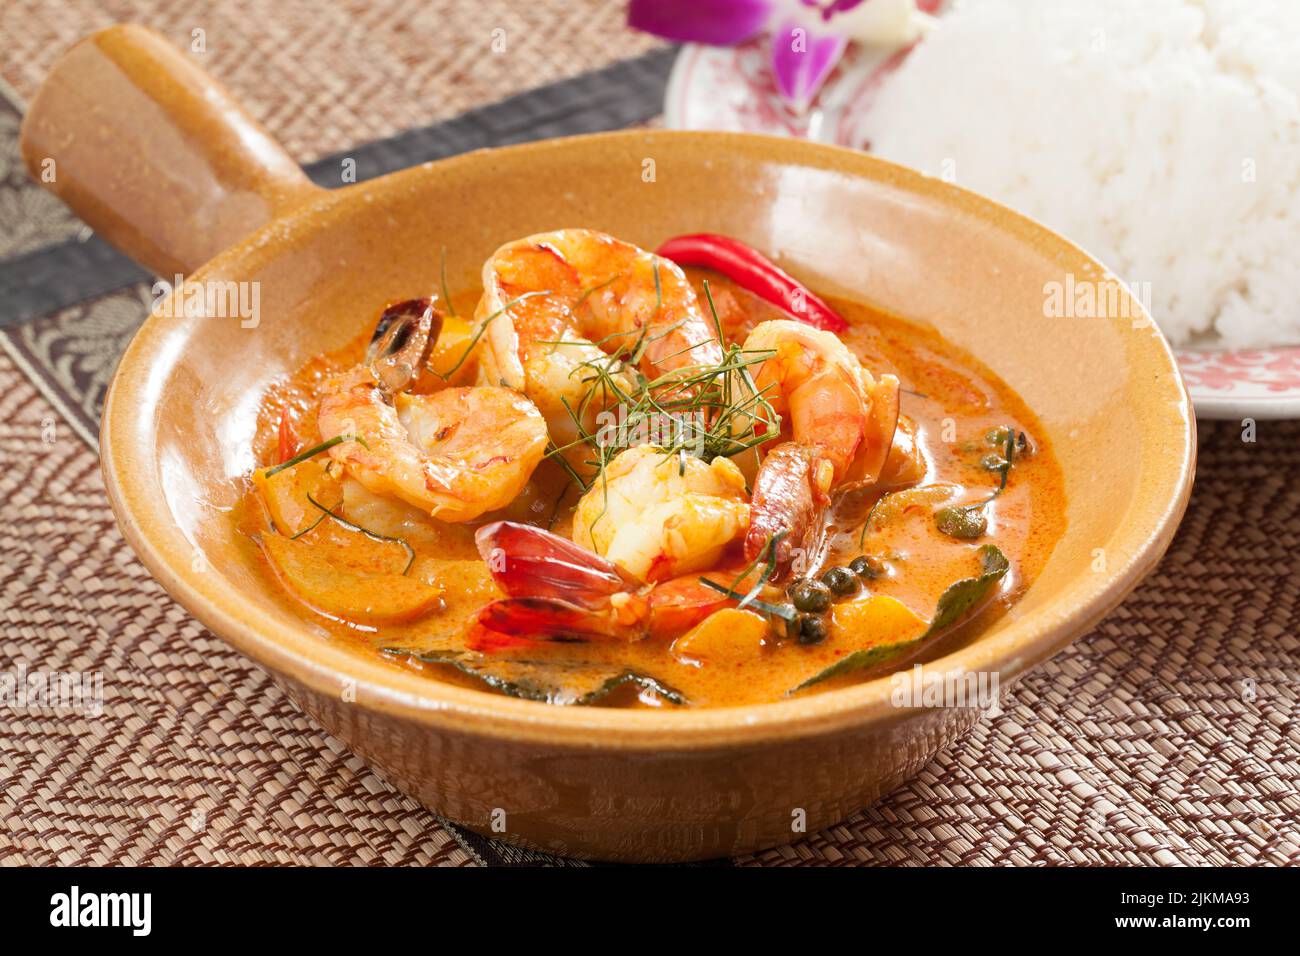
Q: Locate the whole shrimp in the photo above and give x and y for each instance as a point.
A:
(454, 454)
(839, 422)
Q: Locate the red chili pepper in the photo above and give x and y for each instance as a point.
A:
(751, 270)
(288, 440)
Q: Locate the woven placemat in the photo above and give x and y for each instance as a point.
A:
(1168, 735)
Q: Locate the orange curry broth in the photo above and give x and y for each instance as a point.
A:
(946, 392)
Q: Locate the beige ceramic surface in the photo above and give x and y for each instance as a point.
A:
(597, 782)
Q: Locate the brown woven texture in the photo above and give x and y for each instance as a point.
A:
(1168, 735)
(324, 75)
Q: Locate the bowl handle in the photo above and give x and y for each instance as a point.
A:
(153, 153)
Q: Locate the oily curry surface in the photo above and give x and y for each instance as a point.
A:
(958, 522)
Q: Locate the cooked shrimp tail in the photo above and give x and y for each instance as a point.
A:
(402, 341)
(556, 590)
(514, 620)
(528, 562)
(559, 591)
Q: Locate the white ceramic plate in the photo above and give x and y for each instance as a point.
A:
(732, 88)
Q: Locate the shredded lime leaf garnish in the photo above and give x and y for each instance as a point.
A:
(707, 410)
(768, 550)
(311, 527)
(713, 310)
(372, 535)
(482, 327)
(302, 456)
(442, 278)
(597, 287)
(775, 610)
(659, 290)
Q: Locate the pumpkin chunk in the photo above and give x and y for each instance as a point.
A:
(727, 637)
(339, 590)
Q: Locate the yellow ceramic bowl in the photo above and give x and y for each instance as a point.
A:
(160, 161)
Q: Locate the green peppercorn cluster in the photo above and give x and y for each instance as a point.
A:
(811, 598)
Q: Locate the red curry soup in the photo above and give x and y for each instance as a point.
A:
(657, 480)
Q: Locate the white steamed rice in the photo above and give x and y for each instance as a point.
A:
(1163, 136)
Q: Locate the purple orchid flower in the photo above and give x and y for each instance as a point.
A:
(805, 46)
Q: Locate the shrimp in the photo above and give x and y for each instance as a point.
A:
(559, 307)
(454, 454)
(832, 403)
(793, 488)
(560, 591)
(841, 423)
(657, 516)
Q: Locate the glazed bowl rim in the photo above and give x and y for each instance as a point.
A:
(295, 652)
